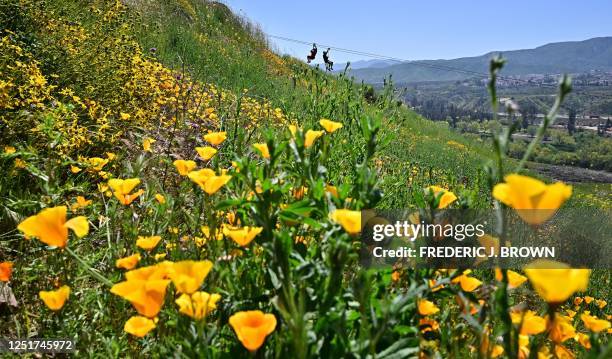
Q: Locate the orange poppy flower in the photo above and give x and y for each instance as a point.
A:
(139, 326)
(188, 276)
(55, 299)
(147, 296)
(6, 270)
(50, 226)
(122, 188)
(252, 327)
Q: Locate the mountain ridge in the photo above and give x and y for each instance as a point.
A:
(552, 58)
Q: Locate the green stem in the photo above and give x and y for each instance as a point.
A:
(549, 119)
(93, 272)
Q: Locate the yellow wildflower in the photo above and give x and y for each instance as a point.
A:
(593, 323)
(122, 188)
(206, 152)
(554, 281)
(128, 262)
(534, 201)
(81, 202)
(349, 220)
(147, 243)
(531, 324)
(188, 276)
(561, 329)
(311, 137)
(160, 198)
(244, 235)
(263, 149)
(55, 299)
(447, 197)
(139, 326)
(147, 296)
(467, 283)
(330, 126)
(146, 144)
(426, 307)
(50, 226)
(215, 138)
(514, 279)
(198, 304)
(184, 166)
(252, 327)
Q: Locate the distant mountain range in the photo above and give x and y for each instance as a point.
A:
(366, 64)
(554, 58)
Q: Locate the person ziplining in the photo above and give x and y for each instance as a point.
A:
(329, 65)
(313, 53)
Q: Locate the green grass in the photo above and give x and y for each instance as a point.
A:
(326, 304)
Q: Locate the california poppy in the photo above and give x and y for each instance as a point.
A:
(81, 202)
(139, 326)
(6, 271)
(311, 136)
(554, 281)
(147, 242)
(50, 226)
(198, 304)
(147, 296)
(188, 276)
(330, 126)
(184, 166)
(201, 176)
(349, 220)
(214, 183)
(446, 197)
(128, 262)
(467, 283)
(252, 327)
(534, 201)
(514, 279)
(206, 152)
(122, 189)
(593, 323)
(426, 307)
(146, 144)
(161, 270)
(215, 138)
(561, 329)
(55, 299)
(531, 323)
(263, 149)
(243, 235)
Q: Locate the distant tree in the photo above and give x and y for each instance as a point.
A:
(532, 130)
(493, 126)
(525, 121)
(528, 113)
(571, 121)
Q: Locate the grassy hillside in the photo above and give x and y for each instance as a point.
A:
(168, 174)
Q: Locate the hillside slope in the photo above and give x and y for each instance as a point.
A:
(554, 58)
(176, 189)
(217, 46)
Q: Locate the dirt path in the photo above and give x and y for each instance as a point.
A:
(571, 174)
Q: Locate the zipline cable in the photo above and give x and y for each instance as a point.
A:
(419, 63)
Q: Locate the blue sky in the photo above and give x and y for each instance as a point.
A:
(417, 30)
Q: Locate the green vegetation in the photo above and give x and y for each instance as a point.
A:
(584, 149)
(108, 114)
